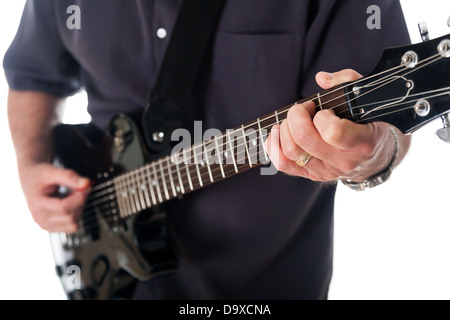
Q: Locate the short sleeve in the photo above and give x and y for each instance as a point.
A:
(36, 59)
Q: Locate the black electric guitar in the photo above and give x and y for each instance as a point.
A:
(123, 237)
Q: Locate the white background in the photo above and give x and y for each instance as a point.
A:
(391, 242)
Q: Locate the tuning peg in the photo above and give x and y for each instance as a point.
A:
(423, 29)
(444, 133)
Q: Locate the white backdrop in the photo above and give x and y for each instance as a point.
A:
(391, 242)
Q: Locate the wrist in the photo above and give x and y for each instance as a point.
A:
(381, 176)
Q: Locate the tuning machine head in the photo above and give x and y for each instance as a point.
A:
(444, 133)
(423, 29)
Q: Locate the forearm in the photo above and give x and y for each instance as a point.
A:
(31, 116)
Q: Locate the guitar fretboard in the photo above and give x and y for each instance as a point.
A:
(234, 151)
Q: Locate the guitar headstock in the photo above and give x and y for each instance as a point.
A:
(408, 88)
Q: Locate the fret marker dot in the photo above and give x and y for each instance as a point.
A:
(178, 189)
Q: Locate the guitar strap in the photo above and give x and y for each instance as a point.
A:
(167, 103)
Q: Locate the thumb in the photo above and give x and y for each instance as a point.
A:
(70, 179)
(327, 80)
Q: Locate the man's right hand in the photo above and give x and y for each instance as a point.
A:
(40, 184)
(32, 115)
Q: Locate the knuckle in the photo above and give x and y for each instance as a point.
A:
(290, 150)
(301, 137)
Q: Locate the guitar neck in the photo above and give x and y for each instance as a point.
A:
(208, 162)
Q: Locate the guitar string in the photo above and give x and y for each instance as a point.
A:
(384, 84)
(348, 85)
(242, 154)
(322, 96)
(231, 169)
(109, 184)
(202, 145)
(140, 196)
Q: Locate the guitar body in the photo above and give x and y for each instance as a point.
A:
(108, 254)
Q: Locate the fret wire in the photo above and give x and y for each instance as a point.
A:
(187, 170)
(155, 181)
(276, 117)
(139, 190)
(246, 146)
(320, 101)
(207, 163)
(196, 167)
(121, 203)
(145, 188)
(219, 156)
(180, 181)
(166, 192)
(204, 172)
(150, 184)
(126, 196)
(136, 191)
(132, 194)
(262, 141)
(169, 169)
(192, 167)
(232, 150)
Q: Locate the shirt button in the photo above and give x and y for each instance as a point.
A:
(161, 33)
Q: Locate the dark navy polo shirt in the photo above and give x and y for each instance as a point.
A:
(250, 236)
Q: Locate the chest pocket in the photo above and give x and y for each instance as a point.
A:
(251, 75)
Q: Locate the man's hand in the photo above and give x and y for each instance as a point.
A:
(340, 148)
(32, 115)
(40, 184)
